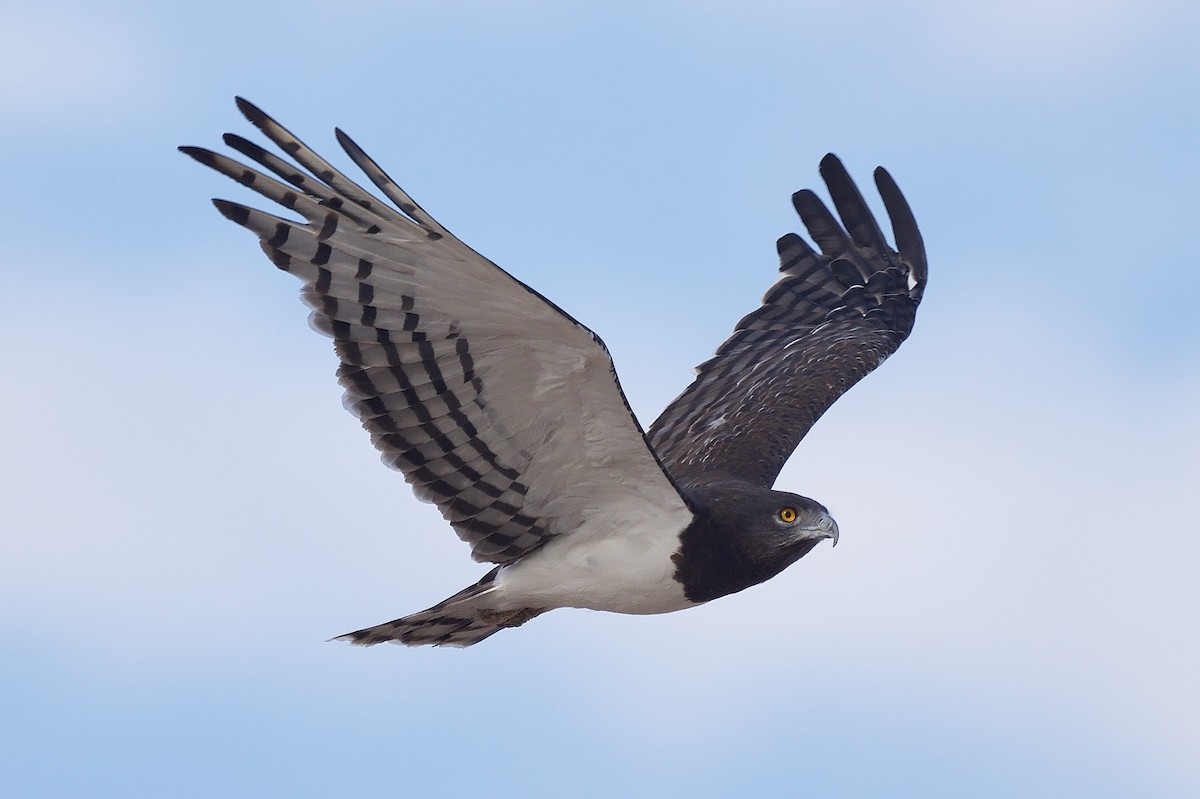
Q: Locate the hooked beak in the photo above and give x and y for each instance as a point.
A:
(826, 528)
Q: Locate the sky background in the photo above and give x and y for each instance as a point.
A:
(188, 513)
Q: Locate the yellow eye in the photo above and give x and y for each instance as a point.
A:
(787, 515)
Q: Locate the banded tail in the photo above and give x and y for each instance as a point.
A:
(462, 620)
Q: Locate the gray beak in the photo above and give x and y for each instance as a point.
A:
(827, 528)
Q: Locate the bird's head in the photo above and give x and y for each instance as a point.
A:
(778, 526)
(748, 534)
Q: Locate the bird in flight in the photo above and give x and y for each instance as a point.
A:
(506, 413)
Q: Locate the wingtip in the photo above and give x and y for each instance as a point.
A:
(201, 154)
(832, 166)
(803, 200)
(834, 172)
(250, 111)
(232, 211)
(786, 241)
(884, 181)
(244, 146)
(348, 144)
(907, 233)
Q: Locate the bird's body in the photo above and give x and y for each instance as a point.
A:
(507, 414)
(622, 568)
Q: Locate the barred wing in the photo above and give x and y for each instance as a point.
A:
(496, 406)
(832, 318)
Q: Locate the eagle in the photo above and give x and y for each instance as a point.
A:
(506, 413)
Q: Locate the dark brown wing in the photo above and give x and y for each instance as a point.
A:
(832, 318)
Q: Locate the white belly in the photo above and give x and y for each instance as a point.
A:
(630, 571)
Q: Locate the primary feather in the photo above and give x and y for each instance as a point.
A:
(484, 395)
(833, 317)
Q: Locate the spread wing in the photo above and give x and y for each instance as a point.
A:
(497, 407)
(832, 318)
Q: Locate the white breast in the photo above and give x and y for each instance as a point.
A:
(619, 565)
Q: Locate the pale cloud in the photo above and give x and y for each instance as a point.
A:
(1016, 552)
(1065, 37)
(70, 62)
(188, 512)
(1015, 543)
(158, 486)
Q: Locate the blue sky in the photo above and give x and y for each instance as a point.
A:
(189, 513)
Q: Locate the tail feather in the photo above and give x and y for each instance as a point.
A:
(461, 620)
(431, 627)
